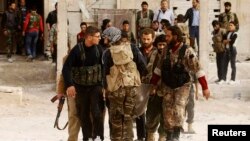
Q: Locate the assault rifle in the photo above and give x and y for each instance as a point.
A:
(59, 109)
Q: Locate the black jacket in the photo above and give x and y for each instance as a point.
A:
(189, 16)
(76, 59)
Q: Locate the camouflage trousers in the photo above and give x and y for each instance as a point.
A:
(154, 115)
(190, 106)
(10, 42)
(122, 103)
(174, 103)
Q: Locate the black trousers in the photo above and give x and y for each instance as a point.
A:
(220, 62)
(140, 126)
(90, 108)
(231, 57)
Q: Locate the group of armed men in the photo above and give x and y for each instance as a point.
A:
(107, 69)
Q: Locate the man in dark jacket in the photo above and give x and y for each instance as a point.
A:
(82, 73)
(193, 17)
(9, 27)
(52, 18)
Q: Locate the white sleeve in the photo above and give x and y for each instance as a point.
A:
(156, 12)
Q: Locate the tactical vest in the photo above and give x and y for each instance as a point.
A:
(87, 75)
(145, 22)
(150, 66)
(217, 38)
(227, 18)
(34, 21)
(174, 73)
(124, 72)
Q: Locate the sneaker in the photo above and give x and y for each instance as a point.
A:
(231, 82)
(190, 129)
(221, 82)
(29, 58)
(216, 81)
(10, 60)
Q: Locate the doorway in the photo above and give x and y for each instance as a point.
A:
(29, 3)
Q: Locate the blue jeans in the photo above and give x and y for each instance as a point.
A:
(30, 43)
(194, 33)
(231, 57)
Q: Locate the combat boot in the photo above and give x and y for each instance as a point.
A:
(150, 137)
(176, 134)
(190, 129)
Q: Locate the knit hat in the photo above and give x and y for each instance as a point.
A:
(112, 33)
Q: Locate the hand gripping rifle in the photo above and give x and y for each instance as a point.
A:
(59, 109)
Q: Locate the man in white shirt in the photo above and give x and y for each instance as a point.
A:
(164, 13)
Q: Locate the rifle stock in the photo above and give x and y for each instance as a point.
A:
(59, 109)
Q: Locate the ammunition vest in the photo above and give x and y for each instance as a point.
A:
(173, 71)
(226, 18)
(34, 21)
(150, 66)
(145, 22)
(87, 75)
(217, 38)
(124, 72)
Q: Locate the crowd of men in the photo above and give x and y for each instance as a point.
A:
(106, 72)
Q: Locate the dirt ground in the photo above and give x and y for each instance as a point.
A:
(33, 120)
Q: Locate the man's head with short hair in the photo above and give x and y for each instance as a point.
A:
(22, 2)
(215, 22)
(92, 35)
(232, 26)
(33, 8)
(165, 23)
(147, 37)
(173, 35)
(144, 6)
(125, 25)
(105, 24)
(12, 5)
(164, 5)
(180, 18)
(155, 25)
(83, 26)
(160, 42)
(83, 23)
(195, 3)
(227, 4)
(216, 25)
(124, 36)
(227, 7)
